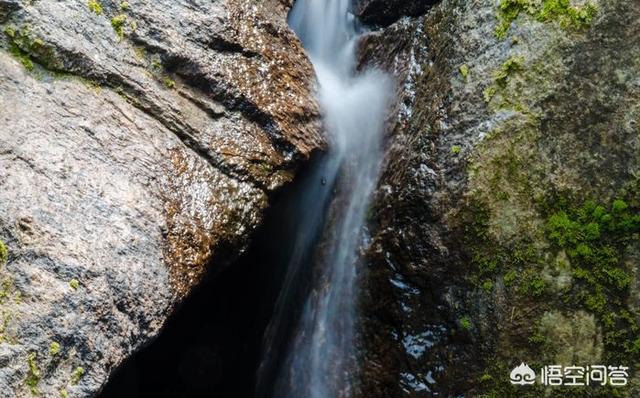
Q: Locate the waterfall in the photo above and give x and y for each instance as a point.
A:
(315, 357)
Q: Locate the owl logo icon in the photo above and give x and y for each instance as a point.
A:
(522, 375)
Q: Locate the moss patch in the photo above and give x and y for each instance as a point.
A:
(561, 11)
(95, 6)
(54, 348)
(33, 373)
(118, 23)
(4, 253)
(29, 49)
(76, 375)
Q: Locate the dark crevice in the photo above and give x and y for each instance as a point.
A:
(221, 45)
(212, 345)
(382, 13)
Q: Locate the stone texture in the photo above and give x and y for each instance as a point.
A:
(490, 137)
(139, 146)
(385, 12)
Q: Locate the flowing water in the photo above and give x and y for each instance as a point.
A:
(312, 354)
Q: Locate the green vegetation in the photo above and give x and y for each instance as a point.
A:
(33, 374)
(464, 71)
(64, 393)
(561, 11)
(4, 253)
(124, 6)
(95, 6)
(456, 149)
(117, 23)
(54, 348)
(77, 375)
(595, 237)
(465, 323)
(74, 284)
(510, 67)
(27, 49)
(168, 82)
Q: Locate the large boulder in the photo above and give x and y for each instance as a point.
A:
(506, 222)
(140, 143)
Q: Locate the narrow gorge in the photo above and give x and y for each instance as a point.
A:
(319, 198)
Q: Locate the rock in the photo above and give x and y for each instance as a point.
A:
(385, 12)
(139, 145)
(506, 132)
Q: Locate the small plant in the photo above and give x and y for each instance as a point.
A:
(77, 375)
(10, 31)
(456, 149)
(464, 71)
(489, 93)
(168, 82)
(54, 348)
(486, 377)
(508, 68)
(117, 23)
(465, 323)
(33, 374)
(74, 284)
(95, 6)
(4, 253)
(124, 6)
(64, 393)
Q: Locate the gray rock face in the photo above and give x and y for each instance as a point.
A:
(506, 130)
(139, 144)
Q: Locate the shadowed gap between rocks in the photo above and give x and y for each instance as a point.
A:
(212, 345)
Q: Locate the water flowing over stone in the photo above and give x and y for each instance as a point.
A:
(318, 360)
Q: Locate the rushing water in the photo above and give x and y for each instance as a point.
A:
(312, 354)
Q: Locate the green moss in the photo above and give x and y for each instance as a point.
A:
(509, 278)
(95, 6)
(168, 82)
(509, 67)
(64, 393)
(464, 71)
(77, 375)
(74, 284)
(489, 93)
(485, 378)
(156, 64)
(10, 31)
(33, 373)
(117, 23)
(54, 348)
(124, 6)
(561, 11)
(595, 237)
(28, 49)
(4, 253)
(456, 149)
(21, 56)
(465, 323)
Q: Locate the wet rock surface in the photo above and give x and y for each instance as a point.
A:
(509, 192)
(381, 12)
(140, 143)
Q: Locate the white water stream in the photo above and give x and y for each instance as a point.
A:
(318, 360)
